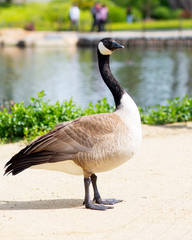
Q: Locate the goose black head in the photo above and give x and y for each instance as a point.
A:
(107, 45)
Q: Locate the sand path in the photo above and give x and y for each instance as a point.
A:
(156, 186)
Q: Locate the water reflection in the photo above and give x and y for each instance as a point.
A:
(150, 76)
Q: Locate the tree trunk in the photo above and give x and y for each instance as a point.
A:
(184, 4)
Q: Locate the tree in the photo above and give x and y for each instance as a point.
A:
(146, 6)
(6, 1)
(184, 4)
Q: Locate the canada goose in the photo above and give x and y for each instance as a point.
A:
(88, 144)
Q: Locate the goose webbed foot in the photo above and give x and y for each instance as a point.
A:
(110, 201)
(100, 207)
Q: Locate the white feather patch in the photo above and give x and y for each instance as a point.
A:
(64, 166)
(103, 50)
(128, 111)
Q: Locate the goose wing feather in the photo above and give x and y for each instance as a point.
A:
(75, 136)
(65, 142)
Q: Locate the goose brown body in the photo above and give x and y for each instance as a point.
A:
(89, 144)
(95, 143)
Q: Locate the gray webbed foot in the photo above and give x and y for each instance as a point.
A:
(100, 207)
(110, 201)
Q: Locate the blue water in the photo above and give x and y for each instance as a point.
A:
(149, 76)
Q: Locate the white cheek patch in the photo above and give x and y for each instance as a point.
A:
(103, 50)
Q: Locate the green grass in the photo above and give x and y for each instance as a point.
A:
(151, 25)
(39, 117)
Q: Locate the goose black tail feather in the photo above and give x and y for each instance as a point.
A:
(22, 161)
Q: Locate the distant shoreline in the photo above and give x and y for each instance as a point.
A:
(22, 38)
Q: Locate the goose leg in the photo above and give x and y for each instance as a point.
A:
(87, 201)
(97, 197)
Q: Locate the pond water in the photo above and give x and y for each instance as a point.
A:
(150, 76)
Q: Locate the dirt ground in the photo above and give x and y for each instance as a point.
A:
(156, 186)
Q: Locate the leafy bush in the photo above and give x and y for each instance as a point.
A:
(176, 110)
(19, 15)
(117, 14)
(163, 12)
(40, 116)
(175, 14)
(137, 14)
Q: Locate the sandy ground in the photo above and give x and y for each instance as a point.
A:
(156, 186)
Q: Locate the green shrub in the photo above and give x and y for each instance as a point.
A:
(55, 11)
(175, 14)
(137, 14)
(40, 116)
(164, 12)
(19, 15)
(117, 14)
(176, 110)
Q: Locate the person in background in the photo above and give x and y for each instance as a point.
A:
(129, 15)
(74, 15)
(30, 26)
(95, 11)
(103, 17)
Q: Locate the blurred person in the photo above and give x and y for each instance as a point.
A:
(103, 17)
(30, 27)
(129, 15)
(95, 11)
(74, 15)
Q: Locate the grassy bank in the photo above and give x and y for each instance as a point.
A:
(27, 122)
(152, 25)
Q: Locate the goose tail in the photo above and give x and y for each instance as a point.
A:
(22, 161)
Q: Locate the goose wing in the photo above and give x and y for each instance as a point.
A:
(79, 135)
(65, 141)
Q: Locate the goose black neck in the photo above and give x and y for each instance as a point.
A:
(115, 88)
